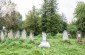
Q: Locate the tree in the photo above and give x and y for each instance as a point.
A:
(72, 29)
(1, 22)
(80, 15)
(2, 3)
(11, 18)
(51, 20)
(31, 23)
(19, 21)
(14, 21)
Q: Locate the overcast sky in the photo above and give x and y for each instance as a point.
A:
(65, 6)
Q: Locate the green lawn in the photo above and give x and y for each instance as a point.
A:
(58, 47)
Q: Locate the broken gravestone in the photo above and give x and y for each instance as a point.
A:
(44, 43)
(65, 35)
(23, 35)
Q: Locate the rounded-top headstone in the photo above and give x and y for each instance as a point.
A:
(23, 35)
(10, 35)
(17, 35)
(65, 35)
(2, 36)
(31, 35)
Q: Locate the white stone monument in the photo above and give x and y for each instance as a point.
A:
(10, 35)
(2, 36)
(23, 35)
(32, 36)
(44, 43)
(65, 35)
(17, 35)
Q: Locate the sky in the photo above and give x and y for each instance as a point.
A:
(66, 7)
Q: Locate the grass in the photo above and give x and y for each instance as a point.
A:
(58, 47)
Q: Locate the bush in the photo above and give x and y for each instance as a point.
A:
(72, 29)
(59, 35)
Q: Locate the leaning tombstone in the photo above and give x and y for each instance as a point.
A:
(10, 35)
(44, 43)
(32, 36)
(79, 40)
(17, 34)
(23, 35)
(65, 36)
(2, 36)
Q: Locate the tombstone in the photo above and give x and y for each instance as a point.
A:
(10, 35)
(5, 34)
(79, 37)
(44, 43)
(17, 35)
(0, 32)
(23, 35)
(32, 36)
(65, 35)
(4, 31)
(2, 36)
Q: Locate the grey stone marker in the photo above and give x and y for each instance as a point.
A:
(79, 37)
(4, 31)
(23, 35)
(65, 35)
(0, 32)
(17, 35)
(10, 35)
(32, 36)
(2, 36)
(44, 43)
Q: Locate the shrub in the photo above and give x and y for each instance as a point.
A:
(72, 29)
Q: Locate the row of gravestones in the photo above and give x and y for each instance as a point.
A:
(44, 42)
(10, 35)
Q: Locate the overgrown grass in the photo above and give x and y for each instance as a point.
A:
(58, 47)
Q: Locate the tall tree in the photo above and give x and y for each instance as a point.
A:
(51, 20)
(80, 15)
(31, 23)
(9, 17)
(2, 4)
(12, 18)
(13, 21)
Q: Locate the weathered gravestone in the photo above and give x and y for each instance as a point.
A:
(4, 31)
(79, 40)
(10, 35)
(23, 35)
(0, 32)
(32, 36)
(44, 43)
(17, 35)
(2, 36)
(65, 35)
